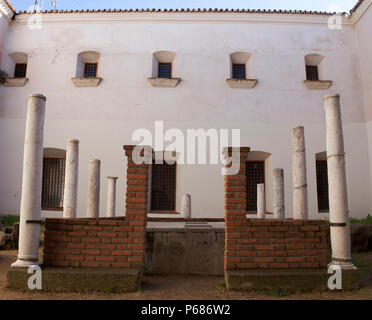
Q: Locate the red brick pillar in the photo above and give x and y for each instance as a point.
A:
(235, 207)
(136, 206)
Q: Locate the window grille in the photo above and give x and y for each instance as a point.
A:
(163, 187)
(165, 70)
(20, 70)
(53, 183)
(90, 70)
(312, 73)
(239, 71)
(255, 174)
(322, 185)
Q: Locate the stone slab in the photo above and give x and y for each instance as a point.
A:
(293, 281)
(84, 280)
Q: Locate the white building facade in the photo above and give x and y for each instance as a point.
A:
(94, 69)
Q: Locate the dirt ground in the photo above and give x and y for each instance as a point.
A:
(191, 287)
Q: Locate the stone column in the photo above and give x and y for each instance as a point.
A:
(186, 206)
(71, 179)
(261, 201)
(30, 214)
(300, 208)
(338, 202)
(278, 184)
(93, 188)
(111, 196)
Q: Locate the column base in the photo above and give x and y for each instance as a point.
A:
(344, 265)
(25, 263)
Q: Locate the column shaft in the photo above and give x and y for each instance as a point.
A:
(71, 179)
(111, 196)
(261, 201)
(30, 214)
(300, 206)
(338, 202)
(278, 185)
(94, 188)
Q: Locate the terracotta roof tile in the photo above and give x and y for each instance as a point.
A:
(356, 6)
(10, 6)
(189, 10)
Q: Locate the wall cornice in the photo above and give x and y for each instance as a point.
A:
(358, 11)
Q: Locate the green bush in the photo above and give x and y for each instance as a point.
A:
(367, 220)
(9, 221)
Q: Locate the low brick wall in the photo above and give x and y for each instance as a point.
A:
(97, 243)
(275, 244)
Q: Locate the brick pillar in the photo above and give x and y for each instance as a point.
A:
(235, 206)
(136, 206)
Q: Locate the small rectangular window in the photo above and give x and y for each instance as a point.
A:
(322, 185)
(165, 70)
(20, 70)
(163, 187)
(238, 71)
(312, 73)
(53, 183)
(255, 174)
(90, 70)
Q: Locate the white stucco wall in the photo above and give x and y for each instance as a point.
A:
(105, 117)
(363, 28)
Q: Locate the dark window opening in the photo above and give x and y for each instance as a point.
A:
(53, 183)
(312, 73)
(238, 71)
(20, 70)
(165, 70)
(90, 70)
(163, 187)
(255, 174)
(322, 185)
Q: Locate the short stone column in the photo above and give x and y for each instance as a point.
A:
(338, 202)
(278, 185)
(300, 207)
(261, 201)
(30, 214)
(94, 188)
(186, 206)
(111, 196)
(71, 179)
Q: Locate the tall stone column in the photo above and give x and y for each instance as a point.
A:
(30, 214)
(338, 202)
(71, 179)
(278, 184)
(300, 207)
(261, 201)
(111, 196)
(93, 188)
(186, 206)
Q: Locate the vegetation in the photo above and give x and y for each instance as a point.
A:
(8, 221)
(367, 220)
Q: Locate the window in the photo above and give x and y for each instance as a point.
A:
(322, 185)
(20, 70)
(165, 70)
(312, 73)
(238, 71)
(163, 187)
(90, 70)
(53, 183)
(255, 174)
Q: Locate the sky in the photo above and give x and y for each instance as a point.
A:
(317, 5)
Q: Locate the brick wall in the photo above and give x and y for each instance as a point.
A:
(267, 244)
(103, 242)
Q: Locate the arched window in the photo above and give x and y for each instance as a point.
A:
(163, 62)
(258, 166)
(314, 67)
(54, 163)
(239, 65)
(322, 181)
(87, 64)
(18, 64)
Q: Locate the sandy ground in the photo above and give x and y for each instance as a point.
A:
(188, 287)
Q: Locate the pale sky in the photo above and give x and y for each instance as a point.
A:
(317, 5)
